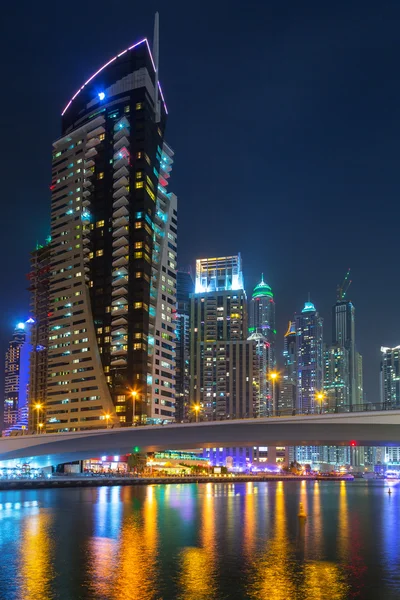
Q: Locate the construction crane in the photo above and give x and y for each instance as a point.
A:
(342, 289)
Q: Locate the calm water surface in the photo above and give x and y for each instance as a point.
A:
(202, 542)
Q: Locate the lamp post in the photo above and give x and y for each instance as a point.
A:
(273, 376)
(320, 397)
(38, 407)
(107, 417)
(40, 427)
(134, 394)
(196, 409)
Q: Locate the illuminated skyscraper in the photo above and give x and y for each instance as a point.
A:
(336, 378)
(309, 363)
(262, 315)
(184, 287)
(39, 279)
(390, 376)
(111, 354)
(16, 383)
(221, 359)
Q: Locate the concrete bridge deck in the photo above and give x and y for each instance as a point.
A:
(371, 428)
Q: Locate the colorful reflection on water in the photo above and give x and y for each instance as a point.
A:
(202, 542)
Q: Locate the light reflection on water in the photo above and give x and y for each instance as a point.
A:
(202, 542)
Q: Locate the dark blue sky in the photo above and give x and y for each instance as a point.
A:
(285, 121)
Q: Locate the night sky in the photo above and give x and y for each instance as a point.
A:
(284, 117)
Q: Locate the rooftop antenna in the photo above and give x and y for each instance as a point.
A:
(342, 289)
(156, 44)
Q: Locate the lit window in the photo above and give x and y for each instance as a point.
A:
(99, 252)
(139, 154)
(99, 330)
(102, 136)
(138, 274)
(139, 174)
(139, 184)
(147, 158)
(150, 192)
(138, 305)
(107, 339)
(137, 346)
(138, 255)
(100, 224)
(127, 108)
(91, 254)
(138, 244)
(122, 419)
(139, 105)
(138, 225)
(120, 409)
(100, 175)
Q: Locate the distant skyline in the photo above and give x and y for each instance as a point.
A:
(285, 124)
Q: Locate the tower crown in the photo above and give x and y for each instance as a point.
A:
(262, 289)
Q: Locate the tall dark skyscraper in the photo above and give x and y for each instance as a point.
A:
(390, 376)
(111, 354)
(184, 287)
(39, 287)
(343, 335)
(308, 358)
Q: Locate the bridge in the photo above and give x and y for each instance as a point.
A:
(370, 428)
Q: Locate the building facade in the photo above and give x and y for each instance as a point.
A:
(309, 365)
(184, 287)
(390, 376)
(39, 288)
(336, 378)
(16, 381)
(111, 225)
(344, 336)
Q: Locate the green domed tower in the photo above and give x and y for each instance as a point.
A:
(262, 315)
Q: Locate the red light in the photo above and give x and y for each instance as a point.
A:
(352, 443)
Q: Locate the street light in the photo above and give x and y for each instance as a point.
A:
(38, 407)
(107, 418)
(40, 426)
(320, 397)
(273, 376)
(133, 394)
(196, 409)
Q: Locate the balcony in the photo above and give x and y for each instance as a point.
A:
(90, 153)
(122, 191)
(120, 202)
(92, 143)
(121, 261)
(120, 291)
(120, 173)
(121, 241)
(120, 160)
(123, 142)
(120, 212)
(120, 133)
(119, 362)
(120, 251)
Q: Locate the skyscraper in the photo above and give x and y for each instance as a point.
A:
(390, 376)
(221, 367)
(184, 287)
(39, 279)
(336, 378)
(308, 358)
(343, 335)
(113, 252)
(262, 316)
(16, 383)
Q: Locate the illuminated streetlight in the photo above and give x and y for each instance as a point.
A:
(40, 426)
(273, 376)
(107, 418)
(133, 394)
(196, 409)
(38, 407)
(320, 396)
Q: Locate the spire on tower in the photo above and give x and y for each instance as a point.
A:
(156, 45)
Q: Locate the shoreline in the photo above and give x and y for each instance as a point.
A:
(56, 482)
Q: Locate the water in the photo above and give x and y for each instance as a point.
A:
(202, 542)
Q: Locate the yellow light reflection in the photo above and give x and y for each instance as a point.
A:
(197, 580)
(37, 557)
(250, 519)
(343, 525)
(124, 568)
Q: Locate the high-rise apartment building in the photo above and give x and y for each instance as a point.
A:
(308, 358)
(113, 253)
(289, 353)
(16, 383)
(343, 335)
(184, 287)
(390, 376)
(39, 279)
(336, 378)
(221, 360)
(262, 316)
